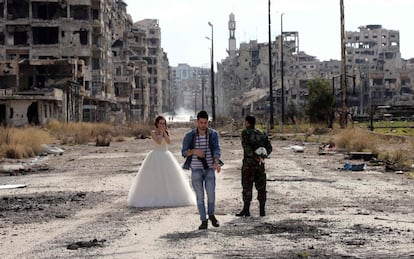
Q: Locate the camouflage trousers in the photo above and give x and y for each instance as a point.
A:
(253, 173)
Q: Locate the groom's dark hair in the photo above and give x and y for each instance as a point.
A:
(202, 115)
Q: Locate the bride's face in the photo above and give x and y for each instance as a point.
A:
(161, 124)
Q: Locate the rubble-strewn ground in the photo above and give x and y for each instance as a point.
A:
(74, 206)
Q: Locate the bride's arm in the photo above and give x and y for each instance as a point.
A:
(164, 133)
(167, 137)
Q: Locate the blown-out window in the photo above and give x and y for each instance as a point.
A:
(45, 35)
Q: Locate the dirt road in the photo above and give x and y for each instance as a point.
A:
(74, 206)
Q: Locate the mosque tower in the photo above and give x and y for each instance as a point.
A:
(232, 37)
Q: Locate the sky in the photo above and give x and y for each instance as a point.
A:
(184, 24)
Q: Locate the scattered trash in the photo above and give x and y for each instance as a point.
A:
(11, 186)
(327, 149)
(103, 141)
(86, 244)
(12, 168)
(396, 167)
(366, 156)
(330, 146)
(297, 148)
(50, 150)
(354, 167)
(17, 169)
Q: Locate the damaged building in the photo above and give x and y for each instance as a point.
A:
(376, 73)
(76, 60)
(157, 66)
(383, 78)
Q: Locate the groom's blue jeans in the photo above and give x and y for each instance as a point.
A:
(200, 179)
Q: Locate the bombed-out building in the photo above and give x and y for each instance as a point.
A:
(383, 77)
(77, 60)
(240, 73)
(376, 74)
(157, 67)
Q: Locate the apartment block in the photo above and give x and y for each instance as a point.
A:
(137, 45)
(77, 60)
(373, 55)
(376, 74)
(154, 59)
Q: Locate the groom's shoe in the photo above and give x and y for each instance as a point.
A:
(214, 221)
(203, 225)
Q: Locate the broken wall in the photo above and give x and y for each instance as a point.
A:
(18, 110)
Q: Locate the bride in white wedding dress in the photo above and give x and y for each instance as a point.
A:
(160, 181)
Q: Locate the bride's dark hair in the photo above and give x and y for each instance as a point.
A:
(157, 120)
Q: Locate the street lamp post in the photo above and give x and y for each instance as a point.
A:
(281, 68)
(371, 106)
(213, 103)
(344, 87)
(202, 90)
(195, 102)
(271, 122)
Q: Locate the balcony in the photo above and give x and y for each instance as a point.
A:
(121, 79)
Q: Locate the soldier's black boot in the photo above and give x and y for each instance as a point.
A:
(262, 208)
(245, 211)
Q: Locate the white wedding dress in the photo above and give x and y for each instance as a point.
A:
(160, 182)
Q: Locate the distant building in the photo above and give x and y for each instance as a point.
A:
(373, 56)
(376, 74)
(191, 88)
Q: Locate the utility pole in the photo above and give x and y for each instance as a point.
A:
(67, 100)
(213, 102)
(281, 68)
(271, 122)
(344, 113)
(202, 91)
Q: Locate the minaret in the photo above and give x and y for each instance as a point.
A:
(232, 37)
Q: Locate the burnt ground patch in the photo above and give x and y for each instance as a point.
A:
(43, 207)
(88, 238)
(184, 235)
(360, 235)
(286, 254)
(298, 179)
(291, 229)
(401, 204)
(86, 244)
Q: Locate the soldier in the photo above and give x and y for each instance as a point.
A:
(253, 169)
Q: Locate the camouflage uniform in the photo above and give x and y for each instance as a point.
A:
(253, 170)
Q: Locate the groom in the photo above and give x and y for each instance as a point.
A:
(201, 149)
